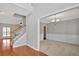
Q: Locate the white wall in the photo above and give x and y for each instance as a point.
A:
(32, 30)
(65, 31)
(74, 39)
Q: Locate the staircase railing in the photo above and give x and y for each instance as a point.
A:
(17, 33)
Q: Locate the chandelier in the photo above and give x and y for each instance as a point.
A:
(55, 20)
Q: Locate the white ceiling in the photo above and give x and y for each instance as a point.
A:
(45, 9)
(26, 6)
(41, 9)
(49, 8)
(9, 10)
(68, 15)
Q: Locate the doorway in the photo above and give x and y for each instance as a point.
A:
(44, 33)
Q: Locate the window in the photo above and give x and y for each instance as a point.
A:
(6, 31)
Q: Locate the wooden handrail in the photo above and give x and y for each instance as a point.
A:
(12, 33)
(17, 29)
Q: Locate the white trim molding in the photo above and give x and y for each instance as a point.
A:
(32, 47)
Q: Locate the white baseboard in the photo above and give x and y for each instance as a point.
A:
(32, 47)
(14, 46)
(26, 45)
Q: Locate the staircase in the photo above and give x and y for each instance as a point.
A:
(16, 34)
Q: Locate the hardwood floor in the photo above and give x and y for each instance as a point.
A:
(6, 50)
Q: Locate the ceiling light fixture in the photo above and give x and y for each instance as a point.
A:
(57, 20)
(53, 20)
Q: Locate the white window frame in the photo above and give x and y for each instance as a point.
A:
(6, 31)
